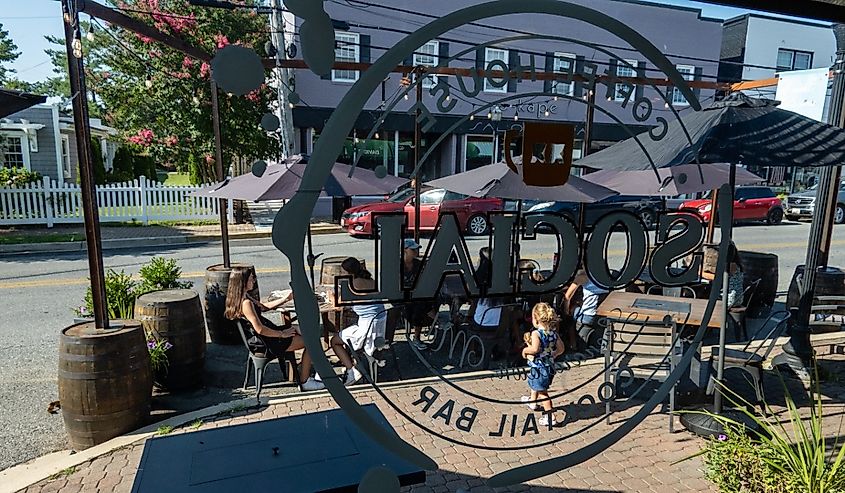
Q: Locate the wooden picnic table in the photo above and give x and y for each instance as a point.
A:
(688, 311)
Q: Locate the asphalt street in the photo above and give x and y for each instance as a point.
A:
(39, 292)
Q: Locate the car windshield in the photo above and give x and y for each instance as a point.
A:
(401, 196)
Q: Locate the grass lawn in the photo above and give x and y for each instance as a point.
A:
(174, 179)
(16, 239)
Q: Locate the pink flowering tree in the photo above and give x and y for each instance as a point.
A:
(160, 99)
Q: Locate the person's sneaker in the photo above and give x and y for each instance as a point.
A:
(544, 420)
(311, 384)
(352, 376)
(531, 405)
(419, 344)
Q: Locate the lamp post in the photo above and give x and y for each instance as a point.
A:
(798, 352)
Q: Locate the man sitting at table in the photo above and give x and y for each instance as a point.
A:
(419, 314)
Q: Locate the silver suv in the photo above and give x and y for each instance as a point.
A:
(802, 205)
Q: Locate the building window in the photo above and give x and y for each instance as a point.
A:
(66, 157)
(625, 68)
(428, 55)
(794, 60)
(564, 63)
(688, 72)
(347, 49)
(480, 151)
(493, 55)
(14, 153)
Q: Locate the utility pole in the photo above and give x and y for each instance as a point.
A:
(82, 128)
(284, 76)
(418, 153)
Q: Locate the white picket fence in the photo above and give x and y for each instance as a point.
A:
(141, 200)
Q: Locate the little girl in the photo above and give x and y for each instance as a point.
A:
(545, 346)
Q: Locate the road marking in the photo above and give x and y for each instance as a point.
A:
(36, 283)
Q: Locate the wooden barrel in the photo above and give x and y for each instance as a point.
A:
(830, 281)
(762, 266)
(221, 330)
(175, 316)
(105, 381)
(330, 268)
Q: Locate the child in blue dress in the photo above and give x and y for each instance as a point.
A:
(544, 347)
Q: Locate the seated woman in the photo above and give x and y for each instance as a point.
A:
(265, 334)
(571, 303)
(372, 321)
(487, 311)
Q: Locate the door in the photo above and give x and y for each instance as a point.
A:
(742, 211)
(457, 204)
(757, 205)
(429, 209)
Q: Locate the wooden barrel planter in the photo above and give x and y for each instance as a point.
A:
(762, 267)
(105, 381)
(220, 329)
(330, 268)
(175, 316)
(830, 281)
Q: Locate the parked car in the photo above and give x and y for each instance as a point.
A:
(750, 204)
(470, 211)
(802, 205)
(647, 208)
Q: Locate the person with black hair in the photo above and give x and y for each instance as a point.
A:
(736, 277)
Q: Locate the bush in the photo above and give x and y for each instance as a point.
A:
(161, 273)
(97, 162)
(144, 166)
(17, 176)
(120, 296)
(123, 163)
(791, 455)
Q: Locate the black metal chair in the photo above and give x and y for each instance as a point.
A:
(648, 349)
(487, 338)
(750, 361)
(259, 361)
(738, 314)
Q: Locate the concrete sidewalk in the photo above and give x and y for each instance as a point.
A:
(119, 237)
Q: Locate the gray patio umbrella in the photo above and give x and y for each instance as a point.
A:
(672, 181)
(282, 181)
(497, 180)
(739, 129)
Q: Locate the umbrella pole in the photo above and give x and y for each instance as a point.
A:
(720, 363)
(218, 154)
(711, 225)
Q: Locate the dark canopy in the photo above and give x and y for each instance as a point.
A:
(14, 101)
(677, 180)
(739, 129)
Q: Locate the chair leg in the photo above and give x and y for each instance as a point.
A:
(373, 369)
(607, 371)
(757, 380)
(259, 381)
(248, 368)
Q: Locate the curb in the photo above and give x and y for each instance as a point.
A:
(119, 244)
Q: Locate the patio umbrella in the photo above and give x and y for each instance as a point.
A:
(672, 181)
(14, 101)
(282, 181)
(497, 180)
(739, 129)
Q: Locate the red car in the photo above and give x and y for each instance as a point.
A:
(471, 212)
(750, 204)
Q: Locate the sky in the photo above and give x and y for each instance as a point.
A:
(29, 20)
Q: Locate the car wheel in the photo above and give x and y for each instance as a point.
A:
(775, 216)
(477, 225)
(648, 218)
(839, 216)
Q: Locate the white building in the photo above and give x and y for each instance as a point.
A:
(756, 47)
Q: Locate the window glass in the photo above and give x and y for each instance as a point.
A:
(454, 196)
(564, 63)
(742, 193)
(13, 152)
(785, 60)
(479, 151)
(428, 55)
(688, 72)
(347, 49)
(401, 196)
(492, 55)
(432, 197)
(802, 61)
(624, 69)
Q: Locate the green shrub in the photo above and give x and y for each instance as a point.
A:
(17, 176)
(144, 166)
(161, 273)
(97, 162)
(120, 296)
(791, 455)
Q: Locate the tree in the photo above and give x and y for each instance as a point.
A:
(8, 53)
(160, 99)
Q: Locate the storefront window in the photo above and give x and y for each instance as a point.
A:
(480, 151)
(372, 152)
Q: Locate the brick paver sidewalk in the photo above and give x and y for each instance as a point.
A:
(642, 461)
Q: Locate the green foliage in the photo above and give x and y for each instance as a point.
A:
(120, 296)
(122, 170)
(791, 455)
(97, 162)
(161, 273)
(144, 165)
(164, 430)
(195, 170)
(158, 353)
(8, 53)
(17, 176)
